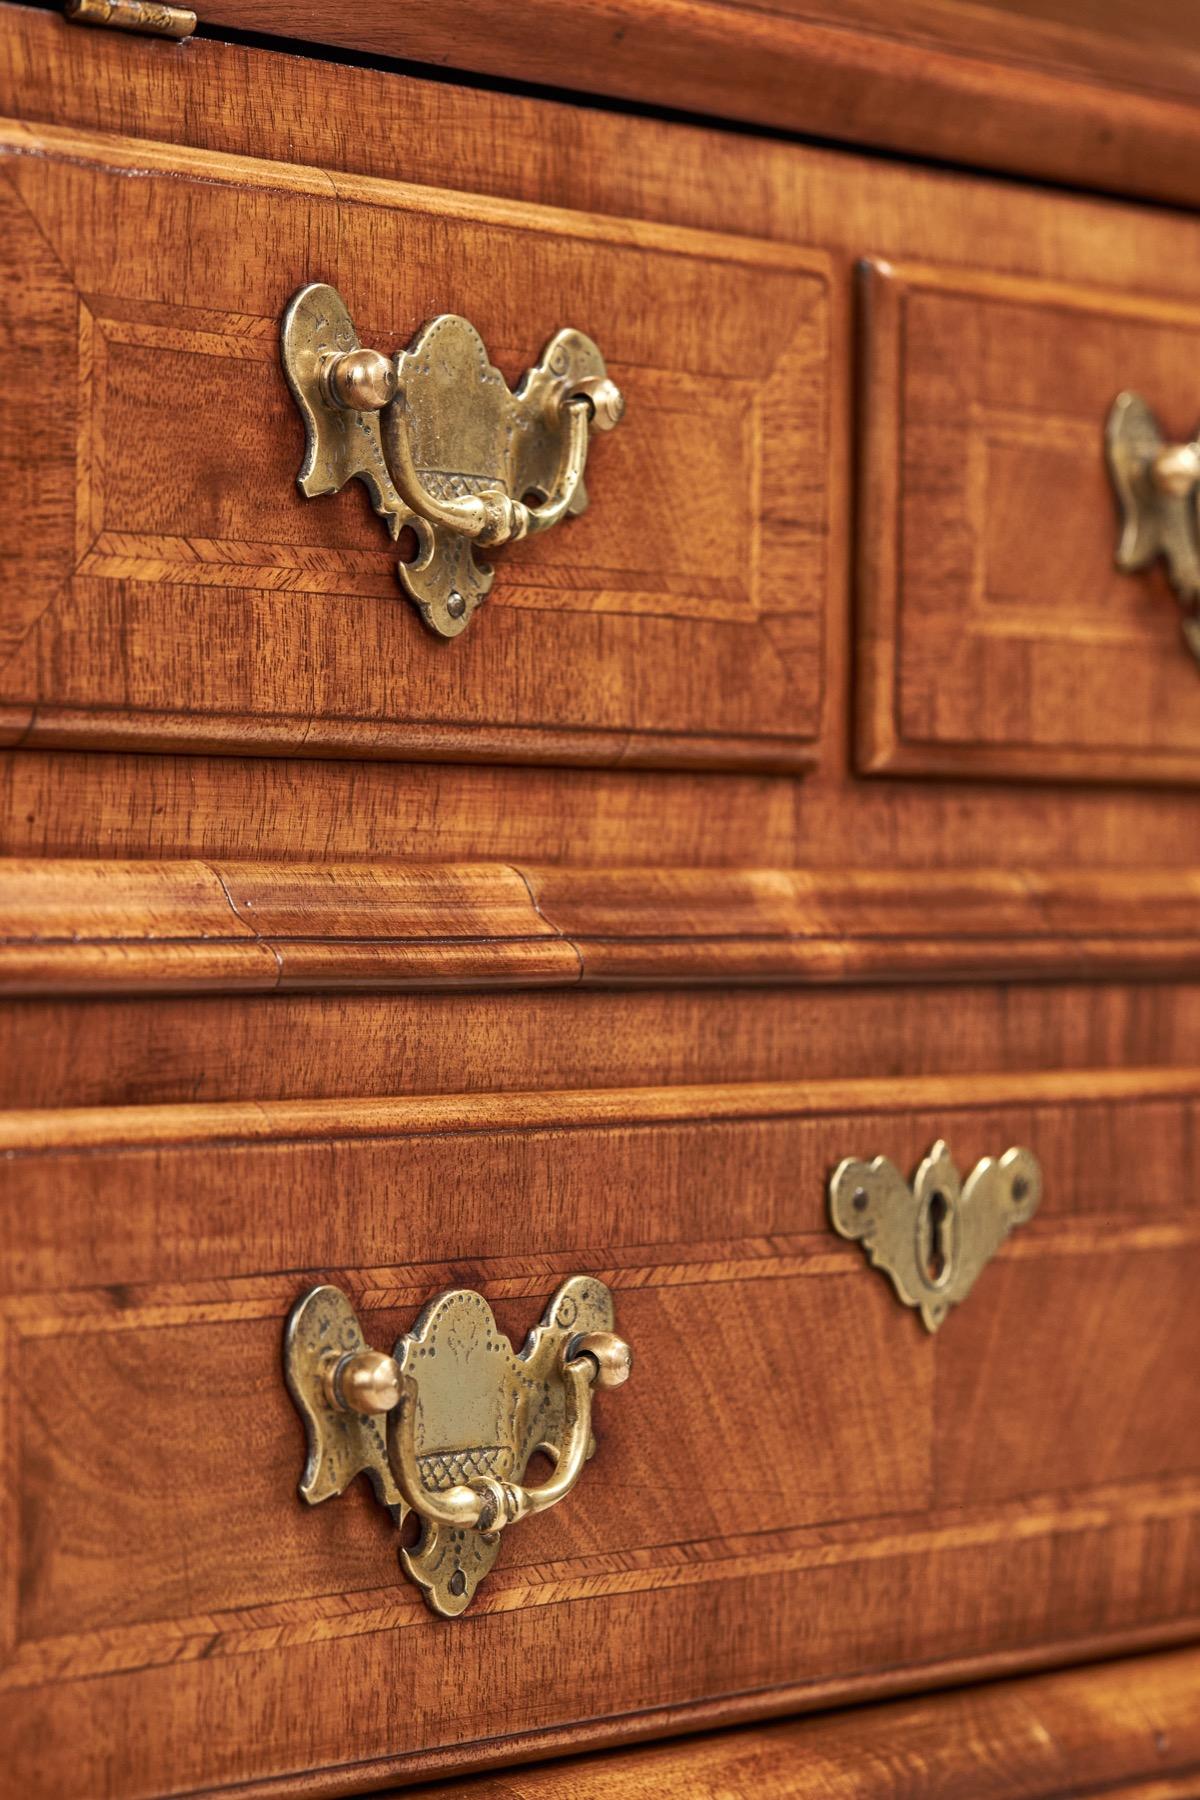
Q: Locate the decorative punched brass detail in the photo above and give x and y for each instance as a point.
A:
(1158, 487)
(445, 1427)
(441, 442)
(934, 1237)
(134, 15)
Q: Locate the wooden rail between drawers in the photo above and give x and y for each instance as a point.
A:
(1130, 1728)
(192, 926)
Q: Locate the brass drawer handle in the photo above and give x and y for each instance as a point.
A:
(462, 1415)
(442, 443)
(1158, 488)
(934, 1237)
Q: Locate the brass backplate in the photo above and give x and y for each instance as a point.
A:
(442, 437)
(934, 1237)
(482, 1410)
(1157, 485)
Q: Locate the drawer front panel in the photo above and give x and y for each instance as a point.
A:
(999, 636)
(178, 588)
(801, 1491)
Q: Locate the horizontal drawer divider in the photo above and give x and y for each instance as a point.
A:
(74, 926)
(51, 1131)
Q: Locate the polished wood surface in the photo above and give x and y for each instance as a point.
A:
(1097, 95)
(1029, 1510)
(82, 926)
(240, 102)
(1130, 1731)
(172, 544)
(332, 954)
(998, 635)
(117, 1051)
(245, 809)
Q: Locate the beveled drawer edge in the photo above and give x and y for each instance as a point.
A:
(675, 1721)
(1104, 1729)
(883, 747)
(190, 926)
(29, 722)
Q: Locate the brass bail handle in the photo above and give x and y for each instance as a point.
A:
(445, 1427)
(445, 447)
(367, 381)
(371, 1383)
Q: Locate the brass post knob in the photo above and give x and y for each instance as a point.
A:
(360, 380)
(442, 442)
(446, 1426)
(1176, 469)
(612, 1356)
(365, 1381)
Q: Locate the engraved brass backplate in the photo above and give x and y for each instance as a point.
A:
(441, 442)
(934, 1237)
(1158, 488)
(447, 1424)
(134, 15)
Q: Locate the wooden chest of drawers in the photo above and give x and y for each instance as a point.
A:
(823, 792)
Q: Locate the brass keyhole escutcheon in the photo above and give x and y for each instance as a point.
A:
(935, 1231)
(446, 1425)
(935, 1236)
(443, 445)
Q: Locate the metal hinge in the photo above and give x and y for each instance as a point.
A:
(134, 15)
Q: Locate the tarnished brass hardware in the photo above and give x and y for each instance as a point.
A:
(1158, 486)
(441, 442)
(446, 1425)
(366, 1381)
(134, 15)
(934, 1237)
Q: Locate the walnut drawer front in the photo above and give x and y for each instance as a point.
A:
(178, 589)
(801, 1496)
(998, 635)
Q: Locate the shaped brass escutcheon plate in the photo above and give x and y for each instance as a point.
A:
(934, 1237)
(441, 442)
(446, 1425)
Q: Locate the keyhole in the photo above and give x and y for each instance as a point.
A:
(935, 1263)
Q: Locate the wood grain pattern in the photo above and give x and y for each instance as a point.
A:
(223, 97)
(1102, 98)
(79, 926)
(998, 636)
(172, 545)
(1130, 1730)
(883, 1511)
(69, 805)
(117, 1051)
(875, 1476)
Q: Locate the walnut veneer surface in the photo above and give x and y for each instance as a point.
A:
(821, 792)
(1129, 1731)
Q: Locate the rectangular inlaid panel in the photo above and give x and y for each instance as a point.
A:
(997, 635)
(801, 1492)
(167, 582)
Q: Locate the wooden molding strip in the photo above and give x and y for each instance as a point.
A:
(191, 926)
(36, 725)
(1129, 1730)
(53, 1131)
(1100, 107)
